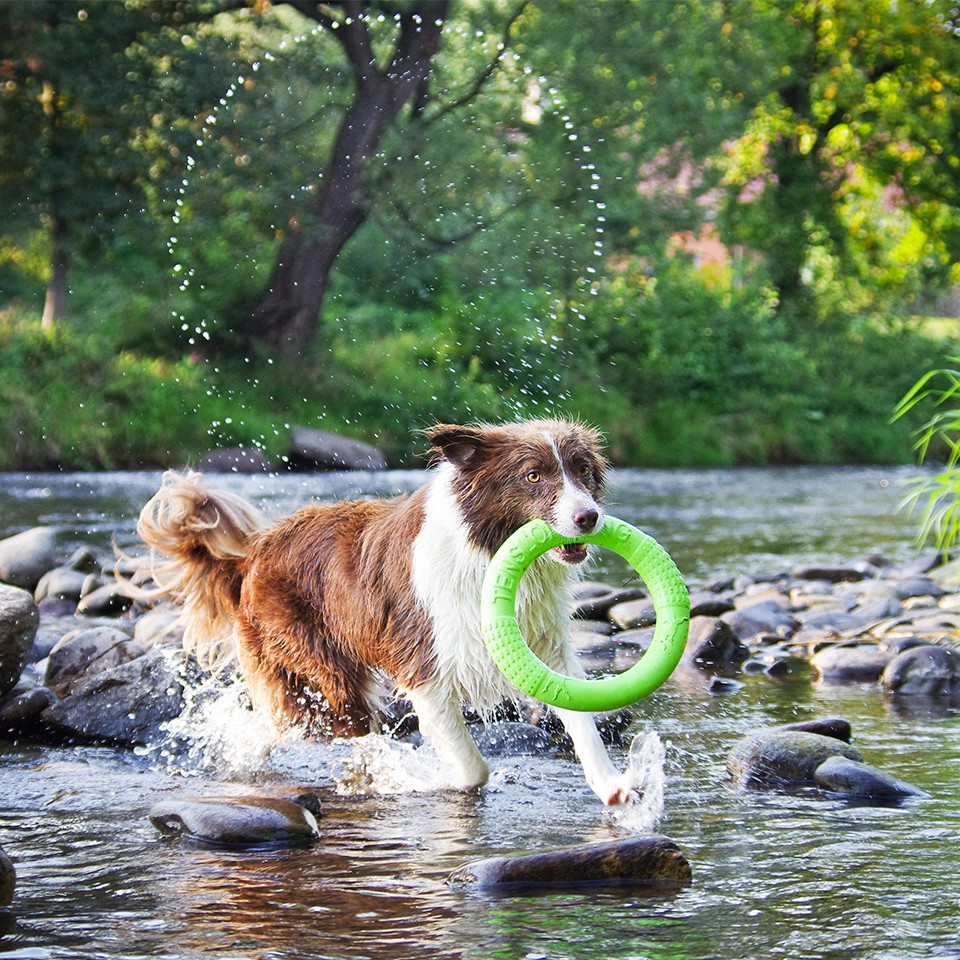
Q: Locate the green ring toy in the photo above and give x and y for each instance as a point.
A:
(526, 671)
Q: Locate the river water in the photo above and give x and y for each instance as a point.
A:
(774, 874)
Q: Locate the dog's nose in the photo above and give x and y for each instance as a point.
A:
(586, 520)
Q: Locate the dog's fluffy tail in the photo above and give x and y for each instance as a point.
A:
(202, 535)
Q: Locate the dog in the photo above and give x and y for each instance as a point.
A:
(319, 606)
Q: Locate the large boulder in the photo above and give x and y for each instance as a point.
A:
(783, 757)
(849, 778)
(851, 663)
(27, 556)
(637, 860)
(125, 703)
(80, 653)
(321, 450)
(19, 619)
(927, 670)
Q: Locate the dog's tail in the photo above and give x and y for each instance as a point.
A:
(202, 535)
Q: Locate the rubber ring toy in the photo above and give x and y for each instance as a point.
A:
(526, 671)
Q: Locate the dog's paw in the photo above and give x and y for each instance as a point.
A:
(620, 792)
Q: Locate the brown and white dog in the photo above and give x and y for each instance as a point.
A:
(331, 598)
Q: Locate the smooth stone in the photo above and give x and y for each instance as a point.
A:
(835, 727)
(321, 450)
(926, 670)
(830, 621)
(839, 574)
(778, 757)
(705, 604)
(633, 614)
(510, 738)
(765, 617)
(764, 593)
(62, 583)
(851, 778)
(107, 599)
(711, 641)
(234, 460)
(8, 879)
(654, 860)
(23, 710)
(126, 703)
(917, 587)
(19, 619)
(82, 652)
(26, 557)
(159, 625)
(237, 821)
(597, 607)
(851, 663)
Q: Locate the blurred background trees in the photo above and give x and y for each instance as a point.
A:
(724, 231)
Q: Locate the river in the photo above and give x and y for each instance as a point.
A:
(789, 875)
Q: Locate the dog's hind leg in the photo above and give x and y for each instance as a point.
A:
(441, 722)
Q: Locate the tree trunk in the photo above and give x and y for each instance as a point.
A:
(287, 314)
(55, 304)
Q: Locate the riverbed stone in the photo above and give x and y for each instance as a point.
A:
(596, 606)
(22, 709)
(712, 642)
(781, 757)
(8, 879)
(126, 703)
(633, 614)
(81, 653)
(62, 583)
(653, 861)
(831, 574)
(321, 450)
(851, 663)
(237, 821)
(234, 460)
(108, 598)
(836, 727)
(26, 557)
(766, 617)
(19, 619)
(851, 778)
(926, 670)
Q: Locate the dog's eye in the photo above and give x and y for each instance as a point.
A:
(534, 476)
(584, 470)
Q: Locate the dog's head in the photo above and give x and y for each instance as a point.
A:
(504, 476)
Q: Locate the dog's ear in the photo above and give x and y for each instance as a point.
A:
(459, 445)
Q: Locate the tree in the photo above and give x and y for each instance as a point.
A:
(287, 314)
(96, 99)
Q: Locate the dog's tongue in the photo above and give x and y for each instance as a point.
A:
(573, 552)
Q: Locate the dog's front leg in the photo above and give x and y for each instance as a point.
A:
(441, 722)
(602, 776)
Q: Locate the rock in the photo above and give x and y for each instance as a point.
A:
(237, 821)
(8, 879)
(851, 663)
(917, 587)
(320, 450)
(597, 606)
(108, 599)
(19, 619)
(638, 860)
(63, 583)
(126, 703)
(765, 617)
(511, 739)
(830, 574)
(851, 778)
(927, 670)
(633, 614)
(83, 652)
(712, 642)
(835, 727)
(21, 711)
(160, 625)
(776, 757)
(706, 604)
(27, 556)
(234, 460)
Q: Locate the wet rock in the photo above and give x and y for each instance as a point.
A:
(851, 663)
(765, 617)
(724, 685)
(160, 625)
(84, 652)
(62, 583)
(107, 599)
(632, 614)
(835, 727)
(19, 619)
(851, 778)
(596, 606)
(839, 574)
(654, 860)
(779, 757)
(320, 450)
(22, 711)
(237, 821)
(926, 670)
(27, 556)
(234, 460)
(712, 642)
(8, 879)
(511, 739)
(126, 703)
(706, 604)
(917, 587)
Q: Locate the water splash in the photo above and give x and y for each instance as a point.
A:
(646, 773)
(381, 766)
